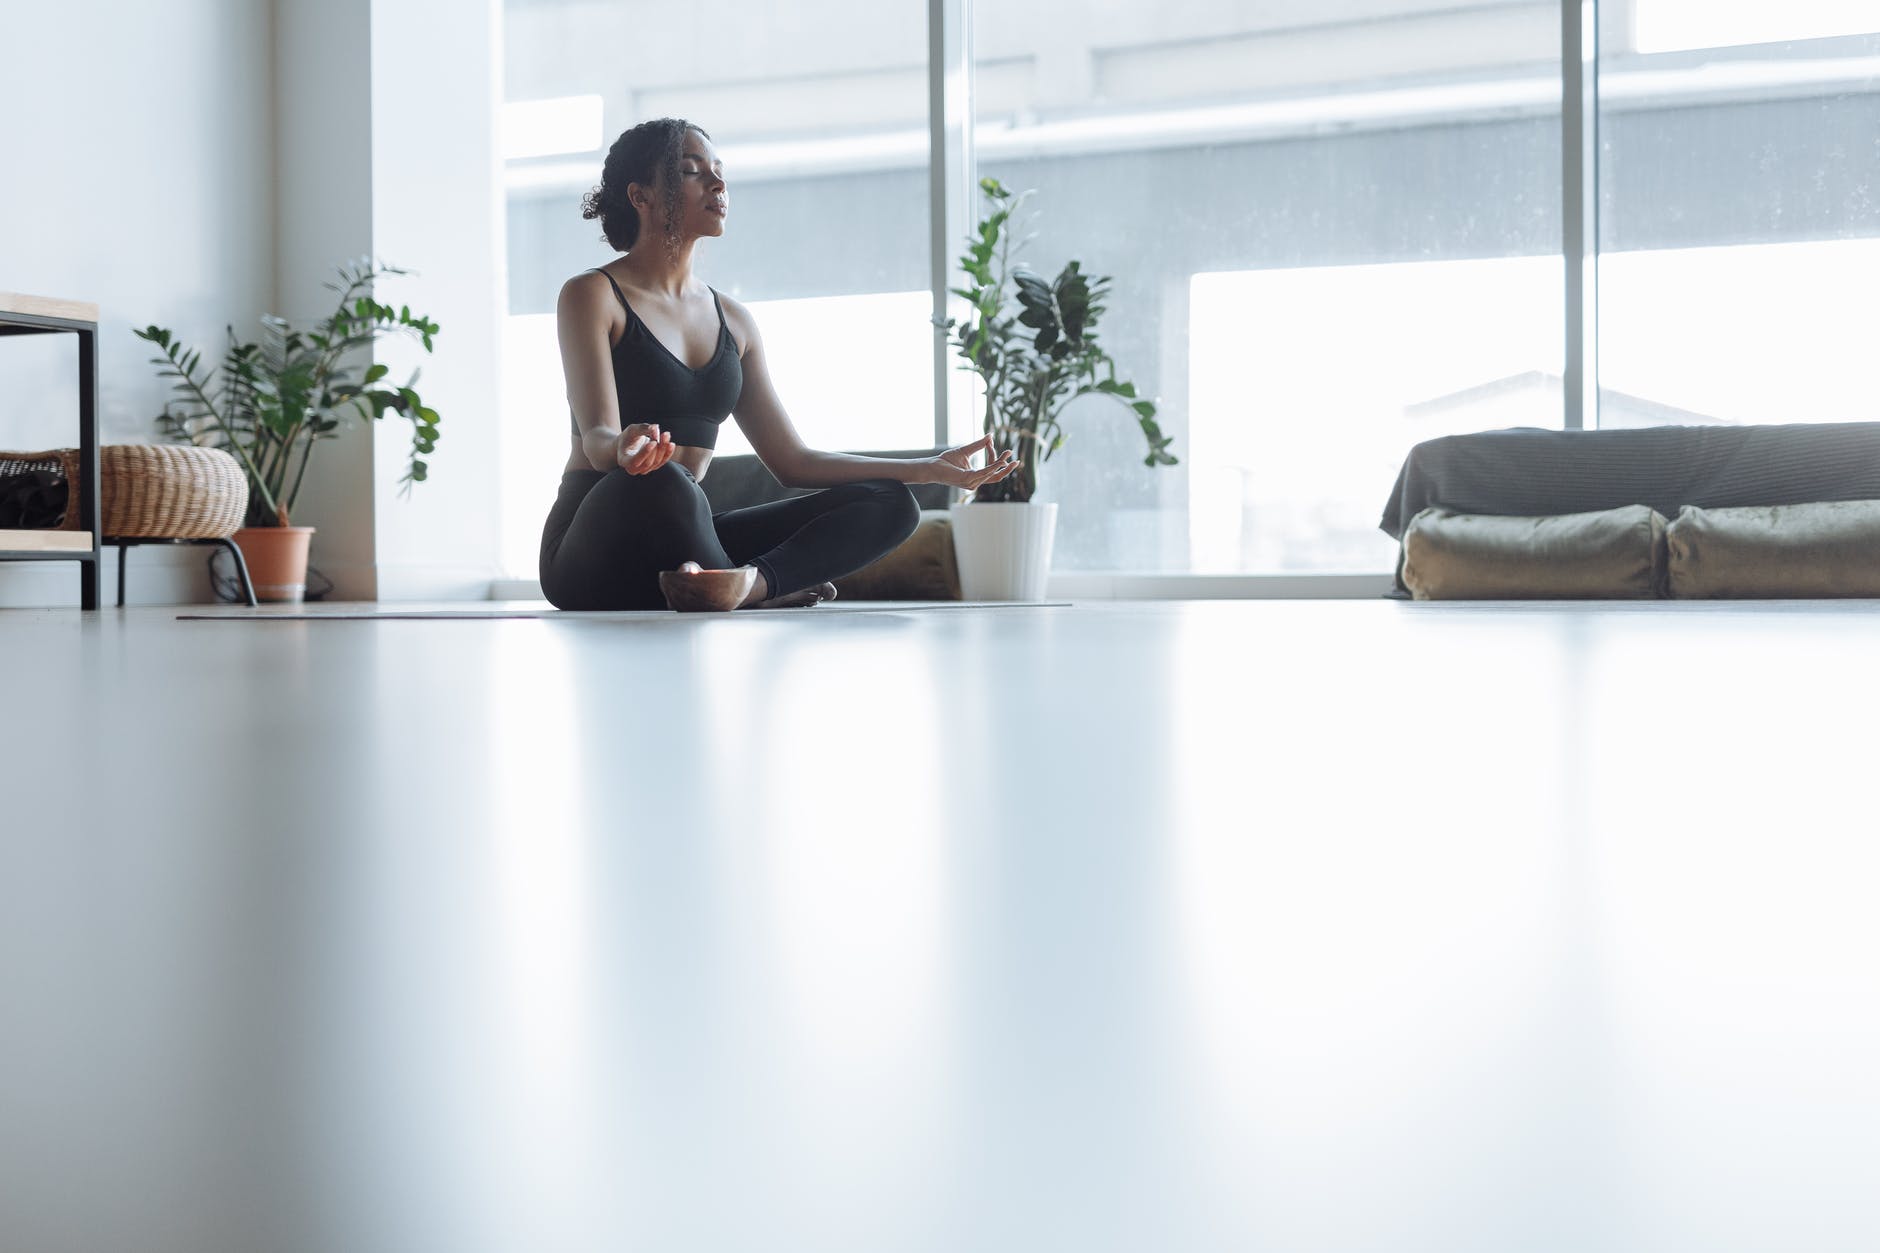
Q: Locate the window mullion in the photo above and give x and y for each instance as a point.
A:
(951, 182)
(1579, 185)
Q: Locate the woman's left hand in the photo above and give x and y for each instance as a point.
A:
(954, 467)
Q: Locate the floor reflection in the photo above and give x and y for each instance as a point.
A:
(1145, 926)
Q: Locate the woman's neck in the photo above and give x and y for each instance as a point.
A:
(654, 267)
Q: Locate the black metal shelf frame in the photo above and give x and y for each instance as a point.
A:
(90, 512)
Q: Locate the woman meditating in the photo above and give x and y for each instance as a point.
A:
(655, 360)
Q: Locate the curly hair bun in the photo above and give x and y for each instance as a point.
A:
(647, 154)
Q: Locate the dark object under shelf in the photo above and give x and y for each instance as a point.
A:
(32, 497)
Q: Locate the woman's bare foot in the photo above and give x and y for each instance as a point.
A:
(793, 600)
(693, 589)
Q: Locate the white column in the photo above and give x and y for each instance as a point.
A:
(323, 215)
(437, 209)
(386, 148)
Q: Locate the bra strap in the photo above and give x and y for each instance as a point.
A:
(622, 295)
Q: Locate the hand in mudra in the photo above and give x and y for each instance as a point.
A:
(954, 467)
(643, 448)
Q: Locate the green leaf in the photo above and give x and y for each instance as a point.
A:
(1073, 300)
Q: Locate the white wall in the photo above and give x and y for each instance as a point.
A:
(208, 161)
(136, 173)
(387, 143)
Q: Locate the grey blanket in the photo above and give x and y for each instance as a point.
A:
(1533, 472)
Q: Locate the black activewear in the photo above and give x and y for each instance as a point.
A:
(609, 535)
(652, 385)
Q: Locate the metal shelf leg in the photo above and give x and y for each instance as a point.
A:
(241, 569)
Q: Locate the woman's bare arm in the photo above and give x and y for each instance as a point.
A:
(582, 323)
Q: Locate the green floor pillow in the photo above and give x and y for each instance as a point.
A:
(1612, 554)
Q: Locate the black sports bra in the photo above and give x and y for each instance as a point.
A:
(652, 385)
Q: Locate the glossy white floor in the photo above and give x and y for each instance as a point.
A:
(1126, 926)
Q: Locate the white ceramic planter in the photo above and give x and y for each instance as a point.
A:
(1004, 548)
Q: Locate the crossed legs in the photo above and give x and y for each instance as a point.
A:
(611, 537)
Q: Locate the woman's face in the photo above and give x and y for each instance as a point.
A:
(703, 203)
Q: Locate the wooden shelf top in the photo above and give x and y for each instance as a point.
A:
(48, 307)
(45, 541)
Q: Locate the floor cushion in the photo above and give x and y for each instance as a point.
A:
(1825, 548)
(922, 568)
(1608, 554)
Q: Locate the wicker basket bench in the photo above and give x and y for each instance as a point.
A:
(172, 494)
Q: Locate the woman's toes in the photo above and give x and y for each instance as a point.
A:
(800, 600)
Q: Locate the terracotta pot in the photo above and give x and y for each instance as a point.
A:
(277, 560)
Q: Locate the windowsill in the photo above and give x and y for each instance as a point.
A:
(1127, 585)
(1077, 585)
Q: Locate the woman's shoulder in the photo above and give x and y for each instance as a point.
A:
(586, 280)
(743, 325)
(587, 293)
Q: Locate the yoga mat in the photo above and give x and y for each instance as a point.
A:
(353, 614)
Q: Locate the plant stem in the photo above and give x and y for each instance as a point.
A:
(270, 459)
(294, 495)
(995, 384)
(202, 398)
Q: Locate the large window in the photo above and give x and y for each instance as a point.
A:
(1332, 232)
(1740, 210)
(1308, 385)
(819, 109)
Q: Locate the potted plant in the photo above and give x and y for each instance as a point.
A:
(271, 401)
(1033, 344)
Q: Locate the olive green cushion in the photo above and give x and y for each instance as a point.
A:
(1828, 548)
(1612, 554)
(922, 568)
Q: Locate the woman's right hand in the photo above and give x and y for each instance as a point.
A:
(642, 448)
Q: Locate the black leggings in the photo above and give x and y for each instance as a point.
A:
(610, 534)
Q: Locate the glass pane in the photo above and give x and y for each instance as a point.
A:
(825, 148)
(1332, 234)
(1738, 181)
